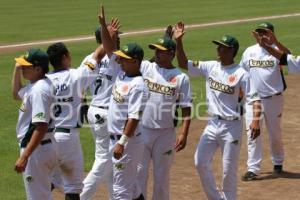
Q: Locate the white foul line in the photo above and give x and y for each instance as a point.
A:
(149, 31)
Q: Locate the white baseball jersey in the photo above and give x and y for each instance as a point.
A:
(223, 84)
(69, 86)
(293, 63)
(101, 87)
(264, 70)
(35, 107)
(128, 100)
(168, 88)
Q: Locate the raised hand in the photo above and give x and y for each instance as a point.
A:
(114, 26)
(101, 16)
(169, 31)
(179, 30)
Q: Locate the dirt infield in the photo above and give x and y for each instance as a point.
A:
(185, 183)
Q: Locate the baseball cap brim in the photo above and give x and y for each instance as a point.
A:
(157, 46)
(121, 54)
(262, 29)
(217, 42)
(23, 62)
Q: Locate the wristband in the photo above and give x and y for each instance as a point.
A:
(123, 140)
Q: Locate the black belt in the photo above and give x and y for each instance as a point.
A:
(63, 130)
(225, 118)
(102, 107)
(43, 142)
(267, 97)
(115, 137)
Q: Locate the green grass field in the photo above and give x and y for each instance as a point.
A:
(31, 20)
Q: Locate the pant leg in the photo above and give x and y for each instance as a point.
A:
(230, 142)
(254, 147)
(101, 171)
(125, 169)
(38, 172)
(143, 167)
(70, 160)
(205, 151)
(273, 112)
(163, 155)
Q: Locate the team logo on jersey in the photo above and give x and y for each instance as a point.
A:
(173, 80)
(119, 166)
(261, 63)
(220, 86)
(158, 88)
(125, 88)
(231, 78)
(195, 63)
(40, 116)
(89, 65)
(104, 64)
(117, 96)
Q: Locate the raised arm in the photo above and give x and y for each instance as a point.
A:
(16, 82)
(108, 32)
(180, 54)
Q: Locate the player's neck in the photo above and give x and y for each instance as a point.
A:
(227, 62)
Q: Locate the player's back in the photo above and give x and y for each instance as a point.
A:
(68, 93)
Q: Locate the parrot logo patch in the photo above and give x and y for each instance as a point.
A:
(40, 115)
(169, 152)
(235, 142)
(29, 179)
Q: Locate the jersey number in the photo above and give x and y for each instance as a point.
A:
(98, 84)
(57, 110)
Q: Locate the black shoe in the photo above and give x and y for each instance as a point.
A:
(277, 170)
(250, 176)
(141, 197)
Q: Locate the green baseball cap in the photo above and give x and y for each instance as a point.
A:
(265, 26)
(228, 41)
(131, 51)
(34, 57)
(165, 44)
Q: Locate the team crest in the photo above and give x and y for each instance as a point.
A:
(90, 65)
(169, 152)
(125, 88)
(231, 79)
(22, 107)
(173, 80)
(29, 179)
(40, 115)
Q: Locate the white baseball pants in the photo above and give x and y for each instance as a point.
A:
(227, 135)
(159, 146)
(38, 171)
(125, 185)
(272, 111)
(101, 171)
(70, 160)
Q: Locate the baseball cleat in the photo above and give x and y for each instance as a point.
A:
(250, 176)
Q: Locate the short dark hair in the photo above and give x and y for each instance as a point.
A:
(56, 52)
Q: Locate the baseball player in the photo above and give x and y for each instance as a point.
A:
(268, 79)
(292, 62)
(127, 103)
(69, 86)
(224, 80)
(37, 147)
(168, 88)
(101, 88)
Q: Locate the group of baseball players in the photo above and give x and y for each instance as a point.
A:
(133, 109)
